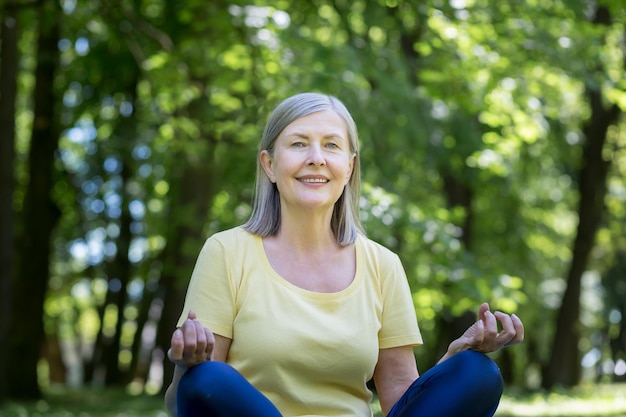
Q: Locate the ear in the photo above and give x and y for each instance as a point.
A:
(352, 162)
(268, 164)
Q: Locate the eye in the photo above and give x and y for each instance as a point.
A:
(332, 145)
(297, 144)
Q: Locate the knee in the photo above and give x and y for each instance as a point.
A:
(204, 378)
(479, 371)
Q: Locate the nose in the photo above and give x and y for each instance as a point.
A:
(316, 156)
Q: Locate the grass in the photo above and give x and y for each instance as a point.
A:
(588, 401)
(603, 400)
(88, 403)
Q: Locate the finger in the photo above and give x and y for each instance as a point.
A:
(201, 337)
(192, 315)
(491, 325)
(190, 338)
(176, 350)
(508, 329)
(484, 307)
(519, 329)
(506, 321)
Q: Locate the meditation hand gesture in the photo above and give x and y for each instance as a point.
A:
(192, 343)
(483, 336)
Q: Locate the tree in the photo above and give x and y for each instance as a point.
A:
(564, 365)
(8, 90)
(214, 132)
(470, 117)
(39, 215)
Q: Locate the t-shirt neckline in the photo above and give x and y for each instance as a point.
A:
(276, 277)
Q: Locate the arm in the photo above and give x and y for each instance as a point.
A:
(191, 345)
(395, 372)
(483, 335)
(396, 369)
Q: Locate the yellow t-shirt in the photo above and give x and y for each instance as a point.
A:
(310, 353)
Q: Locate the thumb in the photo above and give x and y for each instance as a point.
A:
(484, 307)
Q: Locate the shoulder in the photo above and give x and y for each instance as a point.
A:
(232, 237)
(225, 253)
(228, 244)
(375, 251)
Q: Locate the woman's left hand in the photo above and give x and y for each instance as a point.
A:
(484, 336)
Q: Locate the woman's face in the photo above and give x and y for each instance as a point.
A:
(312, 161)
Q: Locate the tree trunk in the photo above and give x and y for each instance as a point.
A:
(119, 270)
(90, 374)
(140, 362)
(39, 216)
(615, 301)
(52, 353)
(459, 194)
(564, 366)
(563, 369)
(107, 349)
(8, 92)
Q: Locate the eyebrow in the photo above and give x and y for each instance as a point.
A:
(306, 136)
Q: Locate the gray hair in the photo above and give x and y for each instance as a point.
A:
(265, 218)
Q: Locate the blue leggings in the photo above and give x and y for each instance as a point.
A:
(468, 384)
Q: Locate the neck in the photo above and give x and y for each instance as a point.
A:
(306, 231)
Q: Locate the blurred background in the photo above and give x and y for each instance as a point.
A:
(493, 152)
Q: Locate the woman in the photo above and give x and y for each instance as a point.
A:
(294, 312)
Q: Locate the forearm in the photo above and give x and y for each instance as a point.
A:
(170, 394)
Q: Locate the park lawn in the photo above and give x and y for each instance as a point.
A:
(88, 403)
(602, 400)
(589, 401)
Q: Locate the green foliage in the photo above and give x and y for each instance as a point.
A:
(487, 96)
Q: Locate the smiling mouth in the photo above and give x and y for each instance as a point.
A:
(314, 180)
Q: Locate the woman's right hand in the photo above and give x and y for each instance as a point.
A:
(192, 343)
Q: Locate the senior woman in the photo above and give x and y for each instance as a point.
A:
(292, 313)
